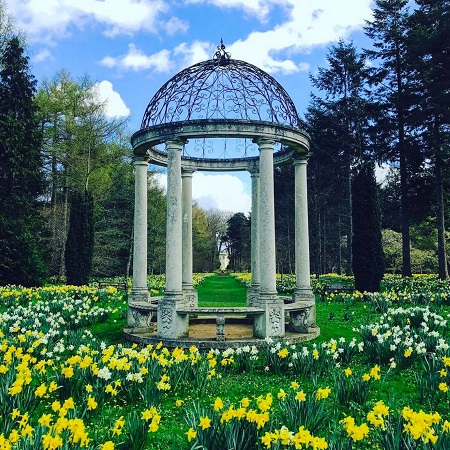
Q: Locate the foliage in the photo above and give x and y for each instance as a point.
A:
(80, 239)
(76, 390)
(368, 257)
(21, 181)
(81, 147)
(238, 242)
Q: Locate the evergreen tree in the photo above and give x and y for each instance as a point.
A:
(81, 149)
(368, 258)
(428, 50)
(238, 241)
(392, 79)
(80, 239)
(114, 224)
(284, 187)
(344, 113)
(21, 182)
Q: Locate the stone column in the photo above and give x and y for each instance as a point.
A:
(190, 294)
(139, 291)
(303, 290)
(253, 291)
(170, 324)
(271, 323)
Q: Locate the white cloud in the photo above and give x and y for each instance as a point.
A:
(137, 60)
(115, 106)
(258, 8)
(217, 191)
(309, 23)
(196, 52)
(221, 191)
(175, 25)
(43, 55)
(54, 18)
(162, 61)
(381, 172)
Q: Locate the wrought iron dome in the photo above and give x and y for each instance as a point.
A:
(221, 89)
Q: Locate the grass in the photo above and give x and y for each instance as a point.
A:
(335, 319)
(221, 290)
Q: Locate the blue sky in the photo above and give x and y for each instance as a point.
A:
(132, 47)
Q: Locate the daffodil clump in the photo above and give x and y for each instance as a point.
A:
(396, 290)
(62, 388)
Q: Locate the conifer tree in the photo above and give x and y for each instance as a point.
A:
(21, 181)
(392, 80)
(80, 239)
(368, 258)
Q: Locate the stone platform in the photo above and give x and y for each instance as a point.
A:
(203, 334)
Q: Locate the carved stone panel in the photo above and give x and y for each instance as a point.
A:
(166, 320)
(300, 321)
(275, 320)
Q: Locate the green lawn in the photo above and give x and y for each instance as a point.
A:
(221, 290)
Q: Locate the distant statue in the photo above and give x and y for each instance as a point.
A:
(224, 261)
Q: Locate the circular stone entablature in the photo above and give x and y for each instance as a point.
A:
(219, 109)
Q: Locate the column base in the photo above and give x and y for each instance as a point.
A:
(306, 295)
(139, 295)
(271, 323)
(140, 314)
(172, 325)
(252, 295)
(190, 296)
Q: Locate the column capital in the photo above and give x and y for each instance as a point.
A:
(301, 159)
(175, 143)
(264, 143)
(254, 173)
(187, 173)
(137, 160)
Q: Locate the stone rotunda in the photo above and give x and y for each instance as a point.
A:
(220, 115)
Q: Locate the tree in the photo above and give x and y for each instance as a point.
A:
(328, 208)
(81, 148)
(21, 182)
(238, 241)
(8, 29)
(80, 239)
(391, 78)
(346, 108)
(428, 50)
(113, 216)
(368, 258)
(156, 213)
(284, 188)
(217, 229)
(201, 242)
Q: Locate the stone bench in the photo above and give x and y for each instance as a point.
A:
(140, 314)
(299, 312)
(220, 314)
(336, 288)
(143, 312)
(120, 285)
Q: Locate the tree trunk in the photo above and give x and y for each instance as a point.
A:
(440, 218)
(406, 247)
(349, 265)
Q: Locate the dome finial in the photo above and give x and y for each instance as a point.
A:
(221, 56)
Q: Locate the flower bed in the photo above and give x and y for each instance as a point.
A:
(63, 387)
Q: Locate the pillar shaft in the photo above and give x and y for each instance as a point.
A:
(266, 235)
(140, 289)
(253, 292)
(302, 268)
(186, 181)
(172, 325)
(174, 225)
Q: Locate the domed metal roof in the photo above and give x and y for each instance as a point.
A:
(220, 89)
